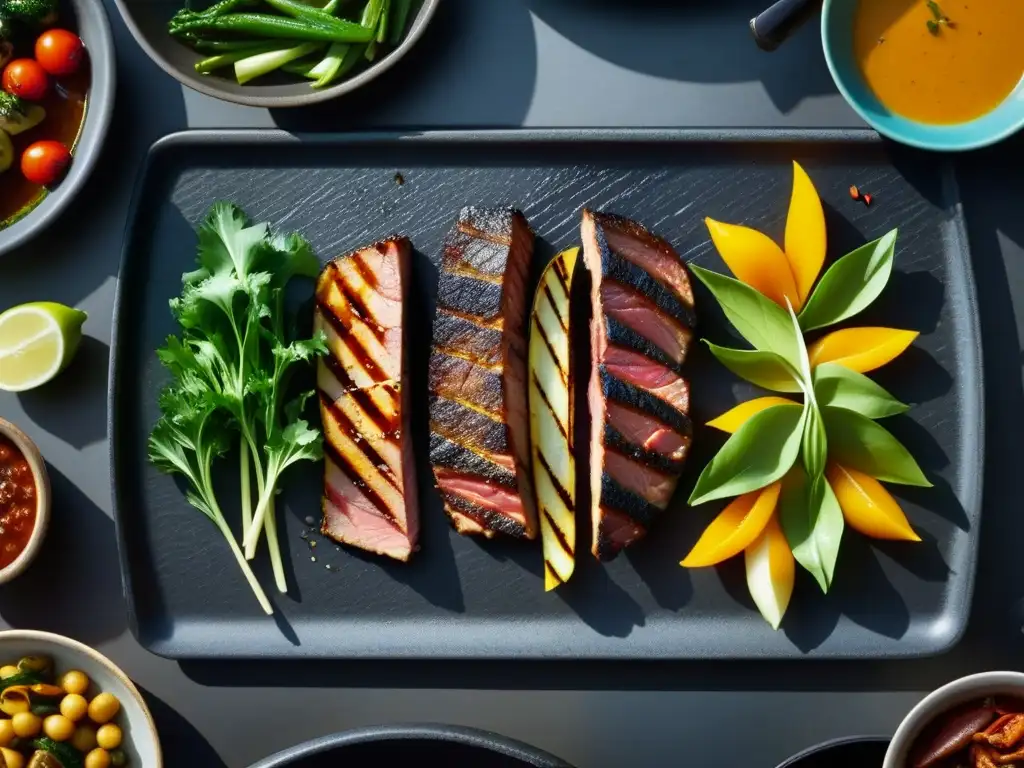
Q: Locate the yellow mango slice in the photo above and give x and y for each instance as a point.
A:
(867, 506)
(735, 528)
(756, 260)
(861, 349)
(805, 232)
(771, 571)
(734, 418)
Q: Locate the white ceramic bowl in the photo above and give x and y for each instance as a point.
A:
(141, 742)
(42, 480)
(952, 694)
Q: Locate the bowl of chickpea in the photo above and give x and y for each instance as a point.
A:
(65, 705)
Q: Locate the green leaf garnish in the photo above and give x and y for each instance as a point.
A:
(838, 386)
(758, 319)
(857, 442)
(850, 284)
(765, 369)
(934, 8)
(231, 366)
(759, 453)
(814, 447)
(813, 523)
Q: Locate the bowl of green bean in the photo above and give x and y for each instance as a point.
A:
(65, 705)
(276, 53)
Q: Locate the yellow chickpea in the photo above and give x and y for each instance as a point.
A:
(104, 708)
(84, 738)
(8, 670)
(109, 736)
(74, 681)
(74, 707)
(6, 733)
(26, 725)
(13, 759)
(98, 758)
(58, 727)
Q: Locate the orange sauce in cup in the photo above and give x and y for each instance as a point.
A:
(945, 62)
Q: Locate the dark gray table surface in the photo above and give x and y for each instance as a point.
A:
(509, 63)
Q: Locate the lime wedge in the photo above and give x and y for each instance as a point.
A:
(37, 341)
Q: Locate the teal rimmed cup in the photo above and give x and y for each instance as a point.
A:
(837, 40)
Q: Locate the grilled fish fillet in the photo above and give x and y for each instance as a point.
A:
(361, 307)
(641, 329)
(479, 447)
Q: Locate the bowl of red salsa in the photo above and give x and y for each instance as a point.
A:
(24, 501)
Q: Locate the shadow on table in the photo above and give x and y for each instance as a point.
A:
(181, 742)
(74, 586)
(445, 77)
(58, 407)
(684, 41)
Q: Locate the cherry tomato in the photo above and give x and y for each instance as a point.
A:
(26, 79)
(44, 162)
(59, 52)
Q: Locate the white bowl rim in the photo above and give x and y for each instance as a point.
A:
(946, 697)
(274, 102)
(42, 482)
(31, 635)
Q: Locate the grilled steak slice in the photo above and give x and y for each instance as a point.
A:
(641, 329)
(361, 306)
(480, 437)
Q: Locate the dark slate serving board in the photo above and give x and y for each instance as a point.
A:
(466, 598)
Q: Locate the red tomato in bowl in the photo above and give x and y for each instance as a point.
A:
(59, 52)
(44, 162)
(26, 79)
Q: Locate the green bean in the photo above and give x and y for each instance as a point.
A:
(267, 25)
(221, 46)
(343, 66)
(382, 24)
(212, 63)
(302, 12)
(399, 19)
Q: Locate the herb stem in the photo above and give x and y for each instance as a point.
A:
(246, 483)
(261, 596)
(275, 550)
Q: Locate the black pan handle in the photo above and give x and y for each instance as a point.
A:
(774, 25)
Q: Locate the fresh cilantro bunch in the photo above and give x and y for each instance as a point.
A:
(230, 369)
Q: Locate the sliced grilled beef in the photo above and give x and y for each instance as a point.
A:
(361, 306)
(641, 329)
(478, 413)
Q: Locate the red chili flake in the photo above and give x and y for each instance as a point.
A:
(866, 198)
(854, 192)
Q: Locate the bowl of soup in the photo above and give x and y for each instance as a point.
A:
(935, 74)
(56, 102)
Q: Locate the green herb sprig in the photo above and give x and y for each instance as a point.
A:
(230, 368)
(939, 19)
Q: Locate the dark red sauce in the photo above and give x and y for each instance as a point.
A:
(17, 502)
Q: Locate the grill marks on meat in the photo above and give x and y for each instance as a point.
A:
(360, 306)
(643, 315)
(477, 376)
